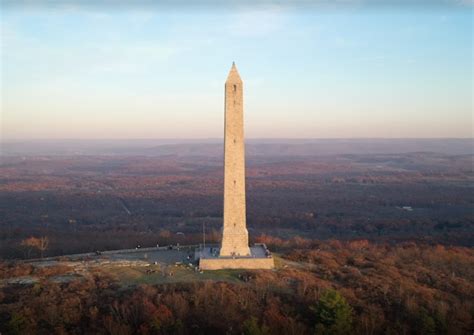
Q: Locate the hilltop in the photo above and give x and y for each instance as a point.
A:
(406, 288)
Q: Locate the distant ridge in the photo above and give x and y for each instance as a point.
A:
(254, 147)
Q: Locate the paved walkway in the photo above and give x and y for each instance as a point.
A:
(256, 251)
(166, 255)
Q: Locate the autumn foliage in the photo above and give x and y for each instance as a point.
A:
(334, 287)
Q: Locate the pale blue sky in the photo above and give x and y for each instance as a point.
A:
(309, 72)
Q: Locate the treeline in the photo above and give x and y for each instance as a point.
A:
(332, 287)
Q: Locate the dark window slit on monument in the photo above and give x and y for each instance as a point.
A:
(235, 88)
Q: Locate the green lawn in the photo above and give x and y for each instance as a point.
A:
(138, 275)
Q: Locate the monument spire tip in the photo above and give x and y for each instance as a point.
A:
(233, 74)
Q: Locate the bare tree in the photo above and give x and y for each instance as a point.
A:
(39, 243)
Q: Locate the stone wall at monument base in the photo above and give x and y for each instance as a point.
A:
(236, 263)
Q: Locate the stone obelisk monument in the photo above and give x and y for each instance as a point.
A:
(234, 251)
(235, 239)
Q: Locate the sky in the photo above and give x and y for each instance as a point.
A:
(356, 70)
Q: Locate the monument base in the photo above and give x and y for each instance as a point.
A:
(260, 258)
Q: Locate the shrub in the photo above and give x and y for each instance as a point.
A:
(333, 314)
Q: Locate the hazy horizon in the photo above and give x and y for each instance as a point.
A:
(220, 139)
(213, 147)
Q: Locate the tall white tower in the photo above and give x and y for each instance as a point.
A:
(235, 240)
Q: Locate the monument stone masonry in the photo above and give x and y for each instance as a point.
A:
(234, 251)
(235, 237)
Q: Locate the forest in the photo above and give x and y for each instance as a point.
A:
(319, 287)
(85, 203)
(365, 243)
